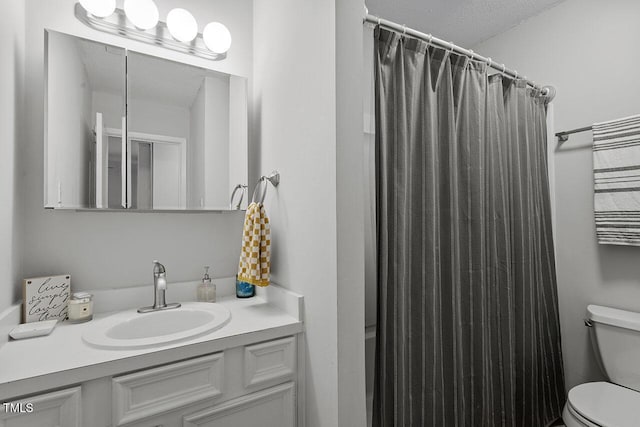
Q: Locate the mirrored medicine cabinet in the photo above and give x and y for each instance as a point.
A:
(132, 132)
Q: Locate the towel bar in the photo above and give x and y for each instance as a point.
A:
(273, 178)
(564, 135)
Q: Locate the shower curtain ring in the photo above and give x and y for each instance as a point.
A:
(504, 68)
(404, 29)
(429, 38)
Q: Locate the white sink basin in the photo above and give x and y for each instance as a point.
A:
(130, 329)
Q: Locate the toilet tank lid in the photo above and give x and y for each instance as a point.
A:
(614, 317)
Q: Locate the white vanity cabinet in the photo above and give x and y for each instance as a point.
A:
(250, 385)
(56, 409)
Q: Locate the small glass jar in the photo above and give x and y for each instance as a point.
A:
(80, 307)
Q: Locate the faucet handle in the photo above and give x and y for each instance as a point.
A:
(158, 268)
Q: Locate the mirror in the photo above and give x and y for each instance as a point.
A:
(82, 79)
(161, 135)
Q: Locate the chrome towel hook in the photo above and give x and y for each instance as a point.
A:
(242, 189)
(273, 178)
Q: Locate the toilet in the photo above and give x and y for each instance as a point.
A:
(615, 335)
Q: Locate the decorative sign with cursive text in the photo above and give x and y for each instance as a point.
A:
(45, 298)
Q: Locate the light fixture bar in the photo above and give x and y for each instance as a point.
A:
(118, 24)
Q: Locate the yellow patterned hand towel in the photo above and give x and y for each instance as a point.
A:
(255, 262)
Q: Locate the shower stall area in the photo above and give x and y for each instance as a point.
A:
(462, 322)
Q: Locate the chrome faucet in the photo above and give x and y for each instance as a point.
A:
(159, 290)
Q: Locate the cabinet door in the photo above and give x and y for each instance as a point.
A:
(273, 407)
(269, 363)
(146, 394)
(57, 409)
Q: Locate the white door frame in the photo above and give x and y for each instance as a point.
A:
(161, 139)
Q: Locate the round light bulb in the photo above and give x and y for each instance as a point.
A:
(142, 13)
(99, 8)
(182, 25)
(216, 37)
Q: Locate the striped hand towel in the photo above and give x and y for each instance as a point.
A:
(255, 263)
(616, 170)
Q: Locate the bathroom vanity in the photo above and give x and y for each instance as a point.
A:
(248, 372)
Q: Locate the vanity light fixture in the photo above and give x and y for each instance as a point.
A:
(216, 37)
(139, 20)
(142, 13)
(99, 8)
(182, 25)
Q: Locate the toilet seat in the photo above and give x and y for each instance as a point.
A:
(604, 404)
(572, 418)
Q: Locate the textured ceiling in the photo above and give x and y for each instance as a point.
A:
(464, 22)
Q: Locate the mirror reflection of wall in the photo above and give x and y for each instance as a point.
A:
(190, 105)
(186, 130)
(81, 75)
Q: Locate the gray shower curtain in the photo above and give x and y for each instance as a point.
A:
(468, 331)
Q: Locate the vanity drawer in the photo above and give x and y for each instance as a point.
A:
(159, 390)
(269, 363)
(273, 407)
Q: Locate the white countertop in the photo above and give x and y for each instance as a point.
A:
(62, 358)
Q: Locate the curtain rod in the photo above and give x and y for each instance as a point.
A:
(548, 91)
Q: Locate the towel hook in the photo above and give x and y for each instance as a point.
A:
(273, 178)
(242, 189)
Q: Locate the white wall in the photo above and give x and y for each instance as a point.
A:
(159, 119)
(307, 124)
(350, 213)
(588, 50)
(294, 91)
(144, 116)
(369, 189)
(115, 249)
(111, 106)
(11, 108)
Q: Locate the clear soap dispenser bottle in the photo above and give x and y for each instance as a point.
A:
(206, 289)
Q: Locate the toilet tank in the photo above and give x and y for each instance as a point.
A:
(615, 335)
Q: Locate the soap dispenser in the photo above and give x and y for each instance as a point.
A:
(206, 289)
